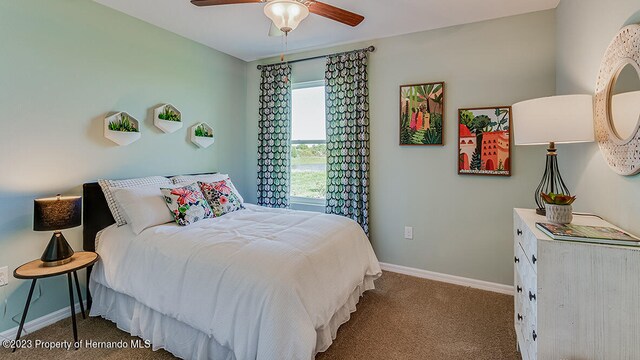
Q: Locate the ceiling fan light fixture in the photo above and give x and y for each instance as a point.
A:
(286, 14)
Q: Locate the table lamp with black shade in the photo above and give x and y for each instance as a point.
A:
(56, 214)
(549, 121)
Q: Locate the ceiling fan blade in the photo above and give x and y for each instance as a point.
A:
(222, 2)
(274, 31)
(335, 13)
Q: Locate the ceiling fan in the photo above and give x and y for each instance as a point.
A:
(287, 14)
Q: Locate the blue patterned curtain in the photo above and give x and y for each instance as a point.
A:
(347, 109)
(274, 136)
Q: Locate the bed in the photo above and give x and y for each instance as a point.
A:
(256, 283)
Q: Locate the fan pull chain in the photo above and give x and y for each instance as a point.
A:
(286, 48)
(284, 45)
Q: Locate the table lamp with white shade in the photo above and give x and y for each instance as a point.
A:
(549, 121)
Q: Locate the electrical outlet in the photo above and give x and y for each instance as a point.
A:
(408, 232)
(4, 276)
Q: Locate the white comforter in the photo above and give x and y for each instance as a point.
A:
(259, 281)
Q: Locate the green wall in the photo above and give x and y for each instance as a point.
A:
(585, 29)
(64, 64)
(462, 224)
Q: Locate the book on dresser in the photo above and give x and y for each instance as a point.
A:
(587, 233)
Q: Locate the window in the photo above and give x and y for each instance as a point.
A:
(308, 143)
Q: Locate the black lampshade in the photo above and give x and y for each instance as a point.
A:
(57, 213)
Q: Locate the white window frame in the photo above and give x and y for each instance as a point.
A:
(299, 199)
(307, 84)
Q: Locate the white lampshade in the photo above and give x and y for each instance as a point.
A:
(286, 14)
(559, 119)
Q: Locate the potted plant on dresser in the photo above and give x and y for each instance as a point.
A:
(122, 128)
(167, 118)
(202, 135)
(558, 207)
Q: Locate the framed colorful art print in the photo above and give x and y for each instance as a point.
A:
(484, 141)
(422, 114)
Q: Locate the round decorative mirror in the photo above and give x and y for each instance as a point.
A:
(624, 103)
(617, 102)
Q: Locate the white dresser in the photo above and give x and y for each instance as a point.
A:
(574, 300)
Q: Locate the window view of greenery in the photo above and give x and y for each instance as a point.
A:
(308, 148)
(309, 170)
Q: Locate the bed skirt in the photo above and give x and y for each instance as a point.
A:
(186, 342)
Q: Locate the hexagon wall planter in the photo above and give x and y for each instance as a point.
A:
(167, 126)
(121, 138)
(202, 141)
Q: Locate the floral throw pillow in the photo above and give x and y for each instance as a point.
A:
(187, 204)
(221, 197)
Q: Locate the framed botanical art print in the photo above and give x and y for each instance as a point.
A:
(484, 141)
(422, 114)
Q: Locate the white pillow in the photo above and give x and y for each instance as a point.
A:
(181, 179)
(143, 207)
(206, 178)
(109, 185)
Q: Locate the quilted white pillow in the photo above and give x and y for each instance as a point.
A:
(108, 186)
(143, 207)
(207, 178)
(189, 179)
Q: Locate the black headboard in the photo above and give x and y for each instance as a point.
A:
(96, 214)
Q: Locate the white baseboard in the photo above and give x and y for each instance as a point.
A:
(451, 279)
(41, 322)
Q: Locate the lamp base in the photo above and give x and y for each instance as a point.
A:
(56, 263)
(58, 251)
(552, 181)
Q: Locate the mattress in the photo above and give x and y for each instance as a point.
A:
(261, 283)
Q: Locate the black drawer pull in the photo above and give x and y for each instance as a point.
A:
(519, 232)
(534, 335)
(518, 289)
(534, 259)
(532, 296)
(519, 317)
(515, 259)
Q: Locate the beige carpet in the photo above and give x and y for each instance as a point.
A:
(404, 318)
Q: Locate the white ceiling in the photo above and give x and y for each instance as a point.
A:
(242, 30)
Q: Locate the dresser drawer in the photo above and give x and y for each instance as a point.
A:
(524, 267)
(532, 341)
(529, 327)
(529, 243)
(530, 295)
(524, 277)
(520, 312)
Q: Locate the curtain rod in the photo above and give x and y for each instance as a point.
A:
(367, 49)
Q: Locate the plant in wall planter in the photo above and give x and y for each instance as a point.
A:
(558, 207)
(122, 128)
(202, 135)
(167, 118)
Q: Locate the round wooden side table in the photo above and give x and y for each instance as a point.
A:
(35, 270)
